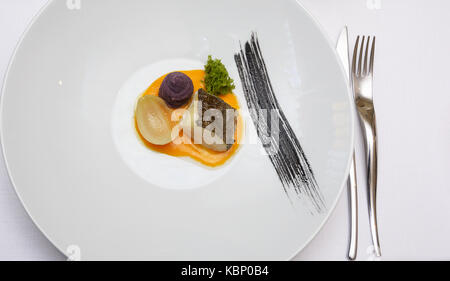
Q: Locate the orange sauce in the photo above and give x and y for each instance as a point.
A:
(186, 148)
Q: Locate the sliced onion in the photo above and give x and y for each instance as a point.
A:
(153, 119)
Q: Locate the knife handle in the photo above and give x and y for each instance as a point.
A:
(353, 194)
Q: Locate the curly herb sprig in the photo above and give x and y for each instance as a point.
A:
(217, 80)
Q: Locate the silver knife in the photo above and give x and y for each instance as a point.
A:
(342, 50)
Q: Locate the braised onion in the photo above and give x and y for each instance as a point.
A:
(153, 119)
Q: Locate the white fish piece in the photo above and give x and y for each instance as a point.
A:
(210, 121)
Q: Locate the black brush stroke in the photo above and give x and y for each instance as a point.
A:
(289, 161)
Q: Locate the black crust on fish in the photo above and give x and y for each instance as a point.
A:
(229, 116)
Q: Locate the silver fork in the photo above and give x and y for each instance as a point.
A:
(362, 83)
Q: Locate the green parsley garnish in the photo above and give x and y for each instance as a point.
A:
(217, 81)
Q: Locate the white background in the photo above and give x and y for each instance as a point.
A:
(412, 99)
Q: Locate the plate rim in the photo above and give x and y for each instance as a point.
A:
(324, 35)
(352, 127)
(3, 91)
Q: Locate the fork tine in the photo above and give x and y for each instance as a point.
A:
(366, 55)
(355, 52)
(361, 49)
(372, 56)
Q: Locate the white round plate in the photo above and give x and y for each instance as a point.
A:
(87, 182)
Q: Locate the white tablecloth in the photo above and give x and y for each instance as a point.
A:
(412, 98)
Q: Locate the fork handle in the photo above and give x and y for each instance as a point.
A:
(370, 130)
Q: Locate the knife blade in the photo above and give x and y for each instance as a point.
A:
(342, 50)
(343, 53)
